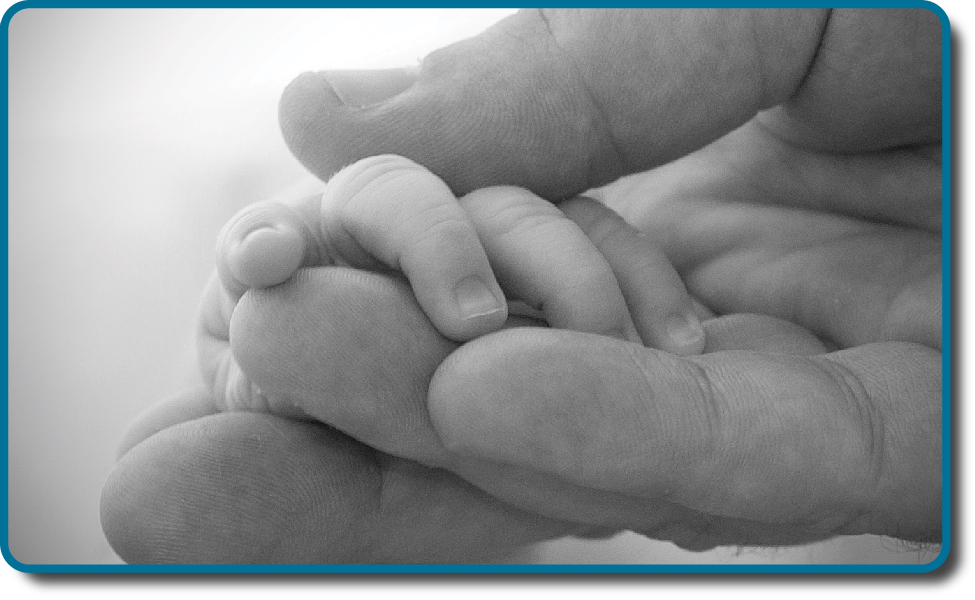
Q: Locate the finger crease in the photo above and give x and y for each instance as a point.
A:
(605, 124)
(709, 413)
(869, 420)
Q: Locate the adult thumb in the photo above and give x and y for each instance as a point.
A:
(558, 101)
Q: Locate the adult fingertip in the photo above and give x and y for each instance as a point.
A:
(471, 113)
(490, 397)
(322, 122)
(307, 104)
(212, 491)
(187, 406)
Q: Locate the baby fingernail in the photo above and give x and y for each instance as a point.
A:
(686, 333)
(474, 298)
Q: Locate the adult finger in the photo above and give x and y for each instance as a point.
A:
(848, 442)
(755, 166)
(558, 101)
(186, 406)
(382, 353)
(628, 90)
(212, 490)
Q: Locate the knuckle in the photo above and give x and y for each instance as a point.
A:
(246, 220)
(351, 185)
(703, 410)
(606, 227)
(861, 431)
(862, 414)
(507, 210)
(710, 410)
(380, 203)
(600, 223)
(442, 228)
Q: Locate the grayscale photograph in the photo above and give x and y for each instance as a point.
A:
(475, 287)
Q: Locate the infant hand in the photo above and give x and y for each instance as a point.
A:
(384, 214)
(583, 269)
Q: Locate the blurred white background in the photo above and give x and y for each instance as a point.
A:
(134, 135)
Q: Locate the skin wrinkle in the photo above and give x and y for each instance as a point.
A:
(728, 436)
(604, 129)
(761, 68)
(871, 427)
(600, 228)
(816, 55)
(828, 523)
(710, 415)
(891, 327)
(894, 438)
(509, 219)
(523, 115)
(711, 412)
(787, 158)
(452, 227)
(347, 209)
(801, 312)
(519, 220)
(809, 286)
(380, 505)
(907, 270)
(847, 105)
(813, 172)
(701, 272)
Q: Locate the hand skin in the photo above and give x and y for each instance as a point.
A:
(196, 485)
(824, 210)
(543, 254)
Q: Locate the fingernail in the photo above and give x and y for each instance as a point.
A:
(475, 299)
(361, 88)
(686, 333)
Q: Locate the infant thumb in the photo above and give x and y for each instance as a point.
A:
(556, 101)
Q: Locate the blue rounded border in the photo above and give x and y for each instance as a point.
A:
(714, 568)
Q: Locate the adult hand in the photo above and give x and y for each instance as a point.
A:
(195, 484)
(454, 120)
(823, 208)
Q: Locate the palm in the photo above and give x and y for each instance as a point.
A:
(757, 225)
